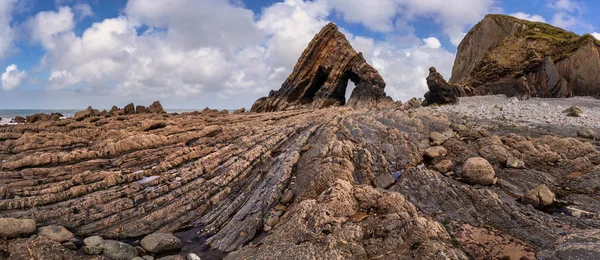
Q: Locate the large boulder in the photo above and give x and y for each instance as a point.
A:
(141, 109)
(55, 233)
(129, 109)
(156, 108)
(160, 243)
(478, 170)
(539, 197)
(19, 119)
(12, 227)
(88, 112)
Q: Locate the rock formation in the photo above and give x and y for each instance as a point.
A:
(440, 92)
(321, 76)
(323, 183)
(154, 108)
(506, 55)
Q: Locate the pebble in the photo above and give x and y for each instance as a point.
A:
(287, 196)
(192, 256)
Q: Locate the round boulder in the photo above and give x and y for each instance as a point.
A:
(12, 227)
(118, 250)
(55, 233)
(477, 170)
(160, 243)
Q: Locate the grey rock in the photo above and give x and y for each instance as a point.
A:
(192, 256)
(383, 181)
(539, 197)
(12, 227)
(93, 241)
(118, 250)
(160, 243)
(92, 250)
(512, 162)
(587, 133)
(55, 233)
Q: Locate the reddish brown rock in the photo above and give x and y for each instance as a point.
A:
(321, 76)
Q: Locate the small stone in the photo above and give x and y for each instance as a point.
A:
(192, 256)
(435, 152)
(512, 162)
(137, 258)
(280, 207)
(539, 197)
(437, 138)
(160, 243)
(93, 241)
(287, 196)
(278, 213)
(495, 181)
(587, 133)
(478, 170)
(573, 111)
(443, 166)
(12, 227)
(148, 257)
(272, 221)
(92, 250)
(306, 148)
(70, 245)
(267, 228)
(55, 233)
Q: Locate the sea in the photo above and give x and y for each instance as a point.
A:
(6, 115)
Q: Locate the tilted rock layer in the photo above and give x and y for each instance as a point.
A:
(297, 184)
(321, 76)
(506, 55)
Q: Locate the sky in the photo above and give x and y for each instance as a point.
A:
(191, 54)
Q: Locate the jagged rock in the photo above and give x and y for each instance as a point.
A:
(12, 227)
(539, 197)
(141, 109)
(55, 233)
(118, 250)
(115, 111)
(321, 76)
(105, 113)
(573, 111)
(88, 112)
(156, 108)
(440, 92)
(160, 243)
(506, 55)
(411, 104)
(240, 111)
(478, 170)
(41, 117)
(129, 109)
(19, 119)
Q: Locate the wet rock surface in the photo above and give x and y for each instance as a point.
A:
(326, 183)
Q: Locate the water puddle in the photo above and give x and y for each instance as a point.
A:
(191, 242)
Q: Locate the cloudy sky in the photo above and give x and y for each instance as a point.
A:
(227, 53)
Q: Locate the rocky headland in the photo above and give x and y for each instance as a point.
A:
(314, 178)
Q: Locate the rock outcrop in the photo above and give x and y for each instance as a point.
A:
(440, 92)
(321, 76)
(154, 108)
(506, 55)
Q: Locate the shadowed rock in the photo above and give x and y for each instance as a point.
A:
(440, 92)
(321, 76)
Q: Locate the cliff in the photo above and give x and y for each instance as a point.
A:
(321, 76)
(506, 55)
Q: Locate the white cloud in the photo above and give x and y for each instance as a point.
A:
(432, 43)
(6, 32)
(12, 78)
(83, 10)
(529, 17)
(564, 5)
(564, 20)
(596, 34)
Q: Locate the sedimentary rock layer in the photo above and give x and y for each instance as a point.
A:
(327, 183)
(321, 76)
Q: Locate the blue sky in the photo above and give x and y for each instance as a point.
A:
(227, 53)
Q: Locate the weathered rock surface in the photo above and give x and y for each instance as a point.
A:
(321, 76)
(310, 174)
(440, 92)
(506, 55)
(539, 197)
(11, 227)
(55, 233)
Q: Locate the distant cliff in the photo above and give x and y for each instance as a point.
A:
(506, 55)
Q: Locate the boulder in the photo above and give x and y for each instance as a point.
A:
(587, 133)
(88, 112)
(93, 241)
(573, 111)
(443, 166)
(440, 92)
(156, 108)
(118, 250)
(141, 109)
(434, 152)
(37, 118)
(438, 138)
(160, 243)
(515, 163)
(129, 109)
(539, 197)
(55, 233)
(19, 119)
(12, 227)
(240, 111)
(478, 170)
